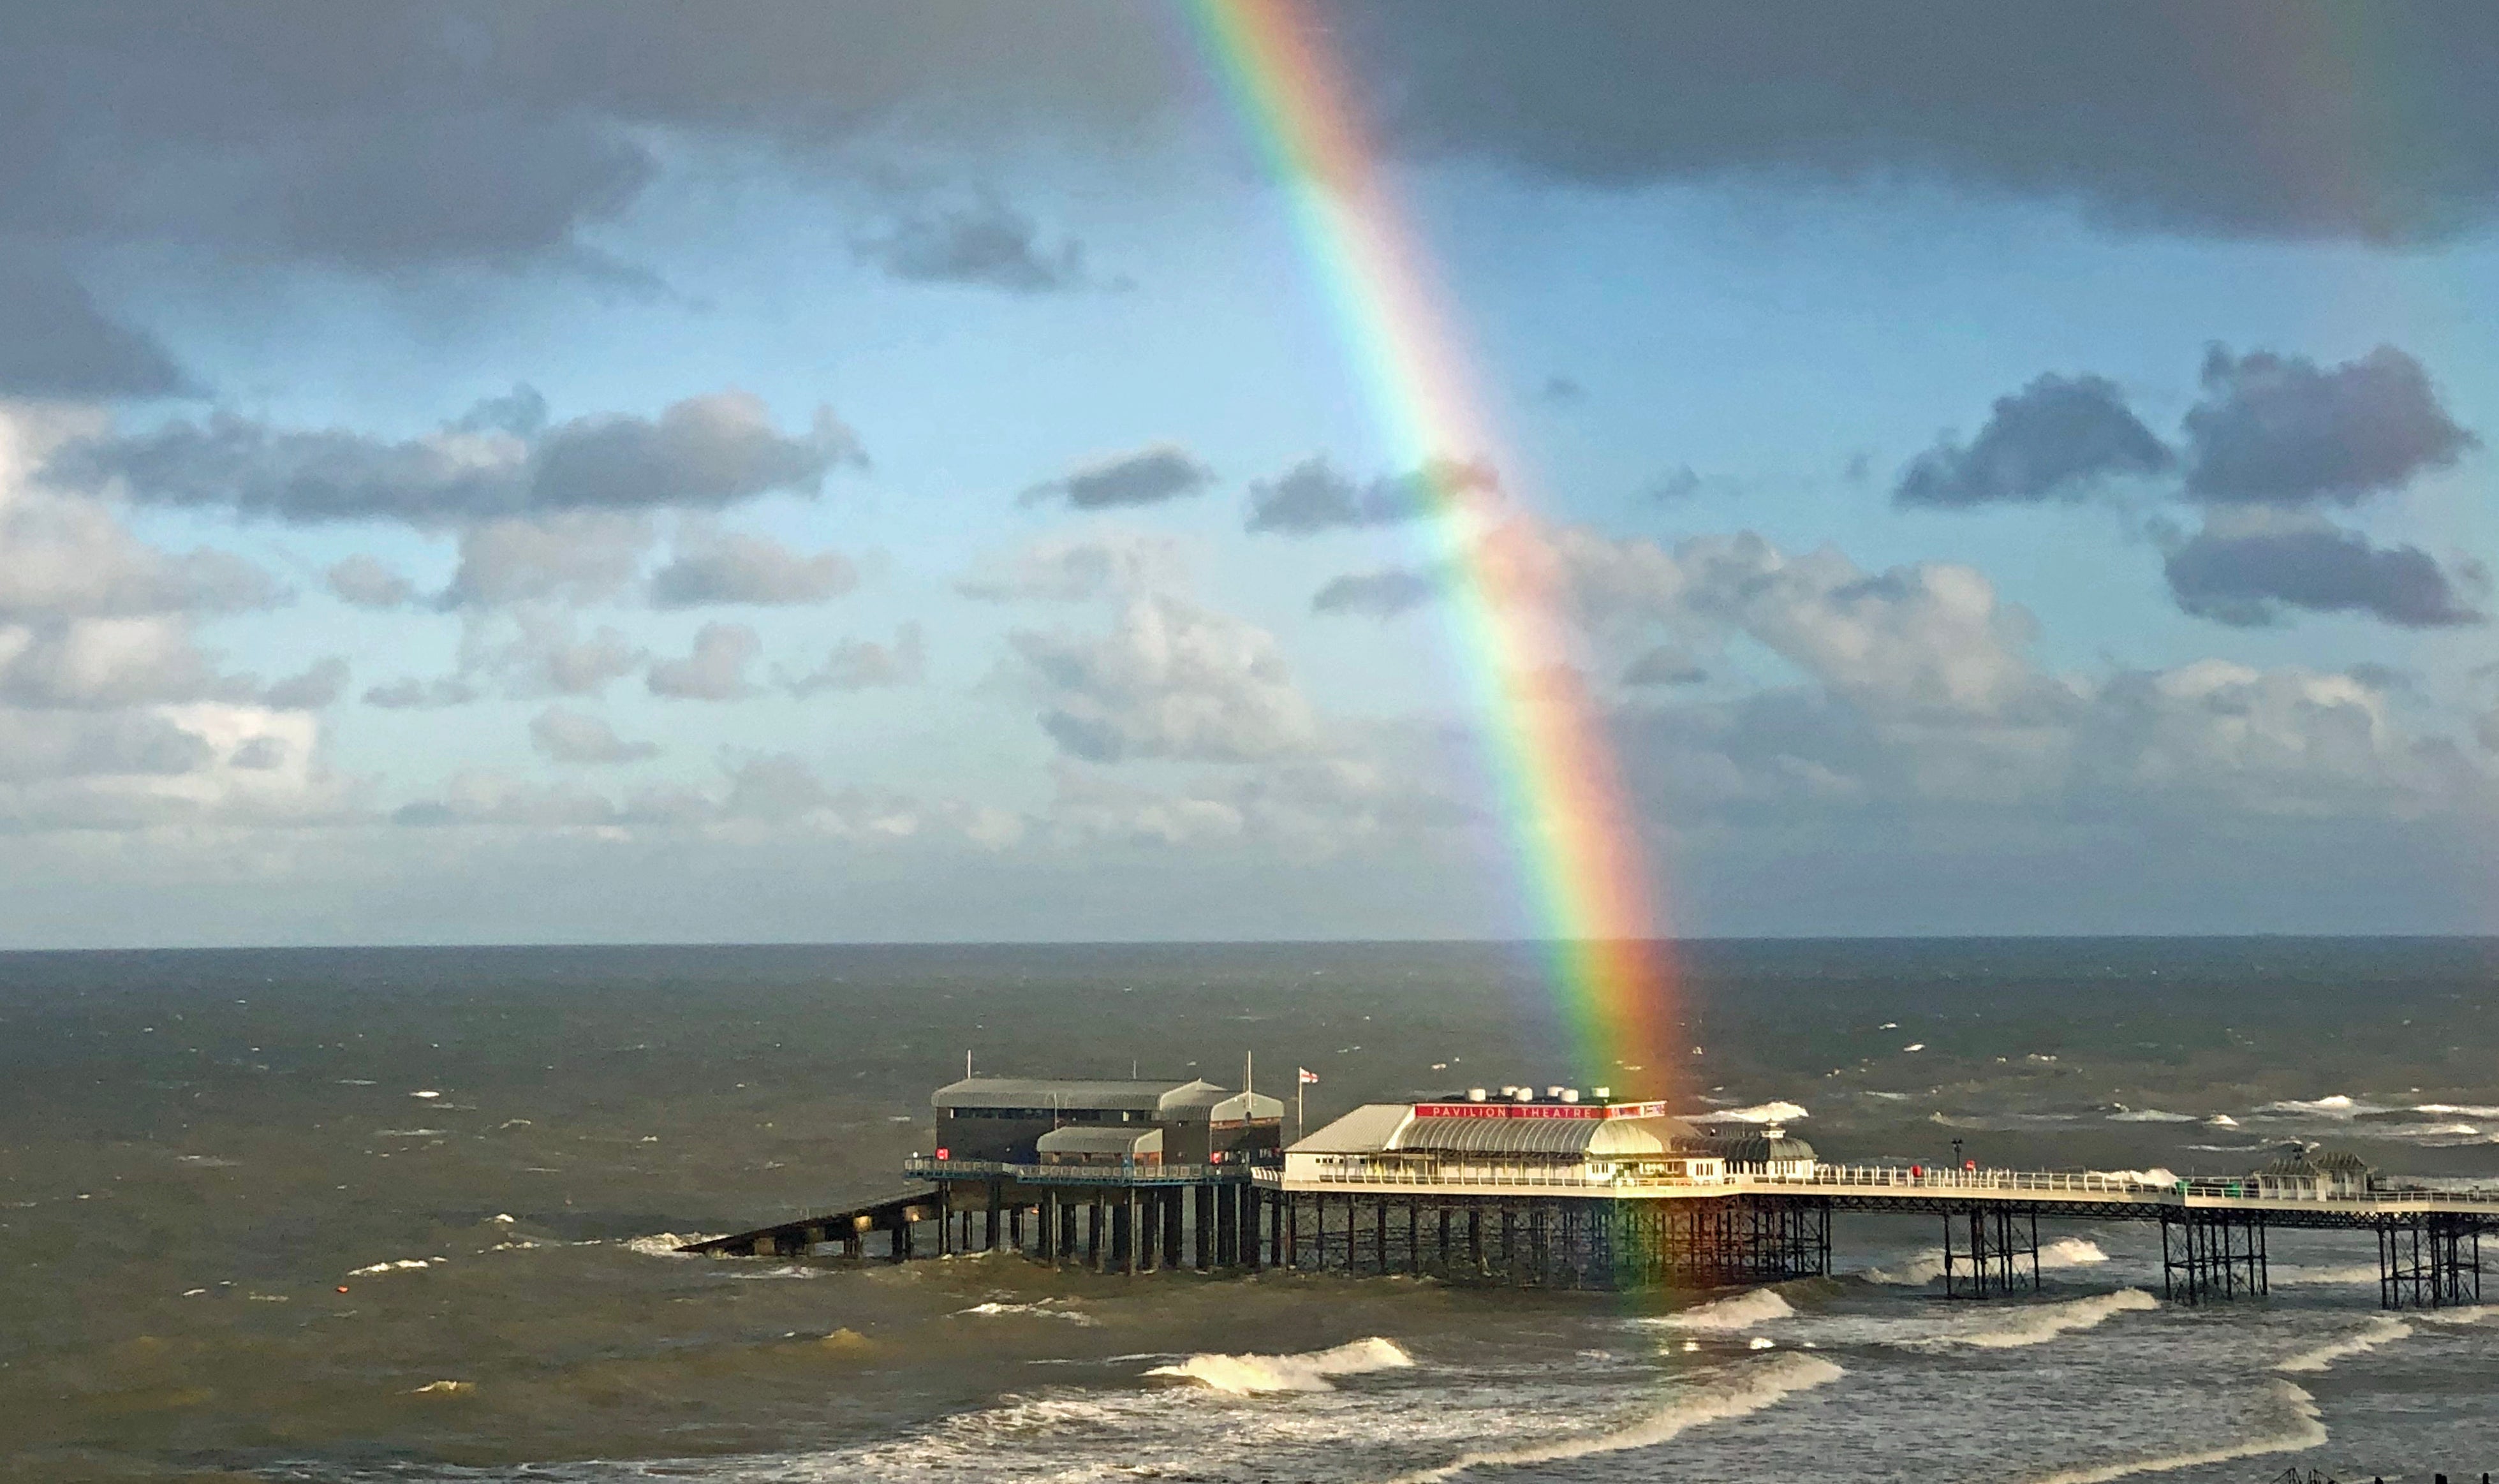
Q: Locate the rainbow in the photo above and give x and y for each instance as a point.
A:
(1582, 870)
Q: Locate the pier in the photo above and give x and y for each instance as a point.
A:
(1542, 1189)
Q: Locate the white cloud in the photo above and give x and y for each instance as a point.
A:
(861, 665)
(1169, 680)
(572, 736)
(1101, 563)
(714, 670)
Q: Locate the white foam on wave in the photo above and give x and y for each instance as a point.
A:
(2037, 1324)
(1243, 1375)
(1929, 1265)
(1741, 1312)
(2470, 1313)
(665, 1243)
(2155, 1176)
(2126, 1115)
(2360, 1341)
(1759, 1112)
(1925, 1268)
(1044, 1309)
(2458, 1110)
(1747, 1391)
(418, 1264)
(2296, 1426)
(2340, 1107)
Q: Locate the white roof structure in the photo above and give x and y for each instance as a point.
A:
(1164, 1098)
(1587, 1133)
(1133, 1144)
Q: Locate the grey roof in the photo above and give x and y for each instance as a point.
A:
(1163, 1096)
(1756, 1149)
(2340, 1162)
(1367, 1130)
(2294, 1164)
(1101, 1141)
(1245, 1106)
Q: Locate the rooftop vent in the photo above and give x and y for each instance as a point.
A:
(1601, 1094)
(1554, 1091)
(1475, 1094)
(1526, 1095)
(1570, 1094)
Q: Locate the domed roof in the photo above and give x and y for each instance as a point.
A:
(1757, 1148)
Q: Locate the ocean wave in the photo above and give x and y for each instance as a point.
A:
(1044, 1309)
(2470, 1313)
(2151, 1176)
(2346, 1272)
(1929, 1265)
(2412, 1132)
(665, 1243)
(2296, 1426)
(2375, 1333)
(2336, 1106)
(1748, 1391)
(1250, 1375)
(1742, 1312)
(2457, 1110)
(2126, 1115)
(1759, 1112)
(408, 1263)
(2040, 1323)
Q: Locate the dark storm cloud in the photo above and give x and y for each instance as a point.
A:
(987, 243)
(2194, 116)
(2248, 579)
(2278, 430)
(55, 342)
(1149, 476)
(385, 138)
(2054, 438)
(701, 453)
(1667, 665)
(1383, 595)
(382, 137)
(1314, 496)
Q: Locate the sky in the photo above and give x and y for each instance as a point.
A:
(534, 473)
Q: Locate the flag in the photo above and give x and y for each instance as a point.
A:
(1308, 1076)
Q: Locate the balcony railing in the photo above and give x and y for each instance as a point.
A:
(1120, 1173)
(1906, 1179)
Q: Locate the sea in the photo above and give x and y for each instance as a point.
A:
(409, 1214)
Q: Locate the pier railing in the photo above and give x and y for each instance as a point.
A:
(1105, 1173)
(2067, 1184)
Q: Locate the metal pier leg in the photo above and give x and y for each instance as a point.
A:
(1249, 1255)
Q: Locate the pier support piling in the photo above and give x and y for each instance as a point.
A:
(2429, 1261)
(2212, 1254)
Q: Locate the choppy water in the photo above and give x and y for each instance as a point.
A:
(485, 1149)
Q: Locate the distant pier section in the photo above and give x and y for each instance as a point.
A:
(1550, 1188)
